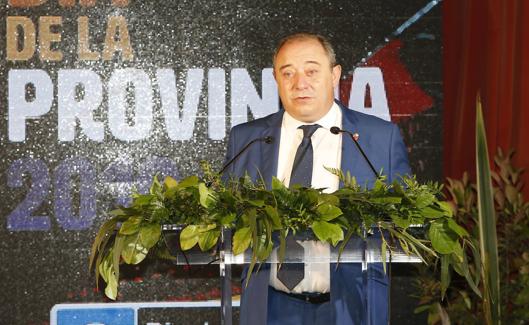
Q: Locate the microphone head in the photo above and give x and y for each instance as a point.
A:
(335, 130)
(268, 139)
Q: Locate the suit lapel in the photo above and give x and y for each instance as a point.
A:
(350, 154)
(270, 151)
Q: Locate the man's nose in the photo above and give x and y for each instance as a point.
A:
(300, 81)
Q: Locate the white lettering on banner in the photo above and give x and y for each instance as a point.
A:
(118, 86)
(131, 103)
(244, 96)
(372, 76)
(21, 109)
(180, 126)
(216, 104)
(70, 109)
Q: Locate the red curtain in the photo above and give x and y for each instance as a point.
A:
(485, 50)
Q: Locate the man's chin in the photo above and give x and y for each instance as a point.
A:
(307, 114)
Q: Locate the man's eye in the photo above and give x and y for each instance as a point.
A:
(287, 74)
(312, 72)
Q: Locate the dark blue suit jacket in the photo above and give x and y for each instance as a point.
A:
(382, 143)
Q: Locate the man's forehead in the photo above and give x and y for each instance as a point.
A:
(299, 45)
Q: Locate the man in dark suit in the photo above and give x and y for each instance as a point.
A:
(306, 73)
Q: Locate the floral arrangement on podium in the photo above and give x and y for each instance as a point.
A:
(207, 204)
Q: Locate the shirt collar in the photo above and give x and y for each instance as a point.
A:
(332, 118)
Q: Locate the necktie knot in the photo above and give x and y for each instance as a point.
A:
(309, 129)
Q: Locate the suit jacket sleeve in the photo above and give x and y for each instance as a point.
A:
(398, 157)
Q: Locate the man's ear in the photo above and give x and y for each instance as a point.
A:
(274, 73)
(336, 74)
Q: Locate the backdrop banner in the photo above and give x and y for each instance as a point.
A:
(96, 97)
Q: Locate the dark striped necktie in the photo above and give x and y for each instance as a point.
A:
(304, 160)
(291, 274)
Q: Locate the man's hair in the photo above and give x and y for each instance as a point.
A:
(329, 50)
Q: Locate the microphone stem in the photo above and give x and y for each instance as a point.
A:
(363, 154)
(237, 155)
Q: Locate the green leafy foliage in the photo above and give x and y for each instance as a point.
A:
(326, 231)
(254, 213)
(241, 240)
(461, 302)
(442, 237)
(487, 225)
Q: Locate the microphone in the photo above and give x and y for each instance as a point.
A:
(354, 137)
(266, 140)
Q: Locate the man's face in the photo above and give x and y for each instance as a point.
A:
(305, 79)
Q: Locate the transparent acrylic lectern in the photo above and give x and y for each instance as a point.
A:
(357, 250)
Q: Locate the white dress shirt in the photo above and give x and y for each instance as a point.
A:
(327, 148)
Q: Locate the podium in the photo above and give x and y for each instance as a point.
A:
(358, 250)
